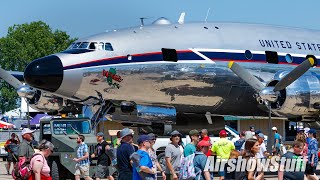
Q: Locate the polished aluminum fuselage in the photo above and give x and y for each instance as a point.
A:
(200, 80)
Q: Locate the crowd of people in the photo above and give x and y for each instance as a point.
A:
(139, 161)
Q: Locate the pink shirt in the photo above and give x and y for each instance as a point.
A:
(45, 169)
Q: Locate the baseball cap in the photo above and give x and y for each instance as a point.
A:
(152, 136)
(175, 132)
(274, 128)
(143, 138)
(313, 131)
(257, 132)
(251, 127)
(125, 132)
(194, 132)
(223, 133)
(27, 131)
(100, 134)
(203, 143)
(260, 135)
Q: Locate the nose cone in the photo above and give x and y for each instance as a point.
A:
(45, 73)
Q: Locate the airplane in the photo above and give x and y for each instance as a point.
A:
(166, 72)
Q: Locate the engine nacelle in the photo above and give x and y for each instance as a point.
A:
(46, 102)
(299, 98)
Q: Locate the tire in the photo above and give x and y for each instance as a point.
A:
(162, 160)
(54, 171)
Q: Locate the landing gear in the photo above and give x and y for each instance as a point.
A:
(105, 106)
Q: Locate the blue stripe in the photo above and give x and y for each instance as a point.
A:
(183, 56)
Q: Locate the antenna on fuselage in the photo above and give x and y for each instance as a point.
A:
(141, 21)
(205, 20)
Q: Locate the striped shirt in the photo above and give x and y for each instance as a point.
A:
(82, 149)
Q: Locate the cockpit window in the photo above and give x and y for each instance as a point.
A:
(70, 47)
(76, 45)
(91, 46)
(108, 47)
(84, 45)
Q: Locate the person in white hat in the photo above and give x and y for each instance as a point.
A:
(277, 141)
(25, 148)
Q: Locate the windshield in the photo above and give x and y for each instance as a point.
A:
(71, 127)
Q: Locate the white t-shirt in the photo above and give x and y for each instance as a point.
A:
(262, 150)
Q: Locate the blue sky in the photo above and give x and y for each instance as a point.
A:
(82, 17)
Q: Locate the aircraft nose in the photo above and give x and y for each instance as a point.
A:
(45, 73)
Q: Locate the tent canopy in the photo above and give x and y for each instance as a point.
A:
(5, 125)
(36, 119)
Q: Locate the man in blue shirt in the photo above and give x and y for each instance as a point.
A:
(124, 152)
(142, 166)
(191, 147)
(277, 141)
(83, 164)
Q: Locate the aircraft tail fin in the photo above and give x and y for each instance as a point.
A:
(181, 18)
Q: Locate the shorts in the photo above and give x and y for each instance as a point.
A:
(12, 157)
(310, 170)
(82, 170)
(102, 171)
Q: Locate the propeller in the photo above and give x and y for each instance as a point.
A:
(271, 94)
(23, 91)
(265, 92)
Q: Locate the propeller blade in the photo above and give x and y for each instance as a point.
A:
(246, 76)
(294, 74)
(10, 79)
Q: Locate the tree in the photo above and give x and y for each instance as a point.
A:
(24, 43)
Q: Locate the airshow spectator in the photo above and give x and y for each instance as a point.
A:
(25, 148)
(153, 156)
(117, 141)
(191, 147)
(144, 170)
(12, 147)
(251, 148)
(293, 153)
(252, 130)
(82, 160)
(262, 154)
(277, 141)
(302, 137)
(39, 164)
(103, 160)
(200, 160)
(312, 155)
(124, 152)
(239, 143)
(173, 155)
(205, 137)
(222, 148)
(231, 175)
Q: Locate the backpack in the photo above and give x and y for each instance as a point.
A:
(23, 170)
(238, 144)
(187, 171)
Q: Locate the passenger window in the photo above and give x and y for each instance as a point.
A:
(100, 46)
(272, 57)
(108, 47)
